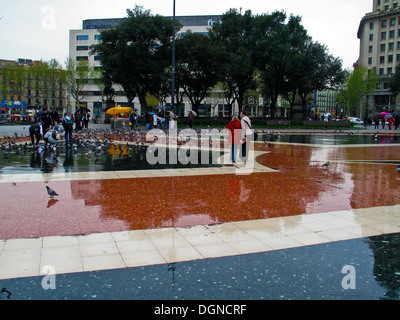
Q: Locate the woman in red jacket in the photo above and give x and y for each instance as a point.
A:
(234, 137)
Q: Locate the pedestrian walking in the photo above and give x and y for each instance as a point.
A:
(234, 137)
(246, 134)
(147, 120)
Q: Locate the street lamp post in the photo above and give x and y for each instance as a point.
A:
(173, 63)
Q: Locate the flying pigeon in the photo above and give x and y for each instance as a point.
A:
(51, 192)
(326, 164)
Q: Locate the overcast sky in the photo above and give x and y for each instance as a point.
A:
(39, 29)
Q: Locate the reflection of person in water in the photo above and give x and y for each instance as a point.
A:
(36, 160)
(69, 160)
(237, 189)
(48, 161)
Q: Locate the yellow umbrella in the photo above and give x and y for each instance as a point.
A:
(118, 110)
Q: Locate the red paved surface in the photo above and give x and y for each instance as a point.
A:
(301, 187)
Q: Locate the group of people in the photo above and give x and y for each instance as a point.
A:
(241, 135)
(159, 119)
(382, 119)
(46, 126)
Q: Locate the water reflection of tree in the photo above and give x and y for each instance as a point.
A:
(386, 249)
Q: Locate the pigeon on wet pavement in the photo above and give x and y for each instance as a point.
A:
(51, 192)
(327, 164)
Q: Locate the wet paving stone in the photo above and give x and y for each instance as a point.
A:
(319, 272)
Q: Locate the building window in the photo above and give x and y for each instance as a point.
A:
(383, 47)
(390, 71)
(381, 71)
(382, 59)
(96, 37)
(82, 58)
(391, 45)
(398, 58)
(96, 58)
(391, 34)
(369, 60)
(82, 37)
(371, 25)
(392, 22)
(82, 48)
(371, 37)
(390, 58)
(383, 35)
(395, 5)
(384, 23)
(370, 49)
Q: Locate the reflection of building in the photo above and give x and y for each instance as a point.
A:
(380, 49)
(79, 50)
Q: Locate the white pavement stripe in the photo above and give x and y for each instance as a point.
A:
(112, 250)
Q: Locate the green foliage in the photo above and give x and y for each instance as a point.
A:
(136, 53)
(360, 83)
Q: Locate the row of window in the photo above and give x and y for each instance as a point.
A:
(382, 59)
(384, 23)
(86, 37)
(384, 35)
(86, 58)
(383, 47)
(386, 7)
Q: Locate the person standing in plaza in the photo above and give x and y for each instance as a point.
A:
(376, 121)
(45, 119)
(246, 133)
(390, 120)
(191, 119)
(172, 121)
(234, 128)
(78, 121)
(155, 121)
(55, 117)
(67, 123)
(85, 120)
(147, 120)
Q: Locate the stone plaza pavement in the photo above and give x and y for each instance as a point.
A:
(119, 220)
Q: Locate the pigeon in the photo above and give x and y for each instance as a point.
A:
(51, 192)
(326, 164)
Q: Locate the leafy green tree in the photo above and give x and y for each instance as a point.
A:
(275, 42)
(234, 34)
(197, 66)
(316, 70)
(78, 75)
(47, 77)
(136, 53)
(360, 83)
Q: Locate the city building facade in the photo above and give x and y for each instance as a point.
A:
(93, 98)
(21, 94)
(379, 34)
